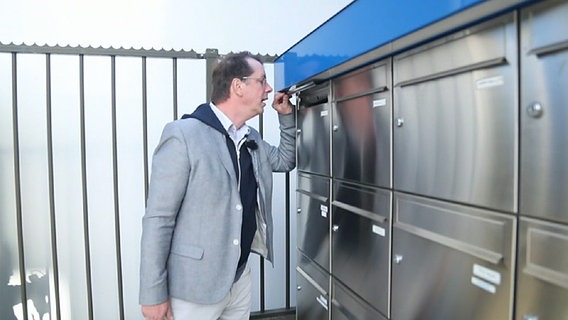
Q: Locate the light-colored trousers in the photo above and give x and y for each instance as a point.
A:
(235, 306)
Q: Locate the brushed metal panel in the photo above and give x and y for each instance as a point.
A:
(472, 46)
(313, 218)
(373, 78)
(314, 271)
(312, 289)
(346, 305)
(361, 241)
(311, 303)
(450, 261)
(313, 133)
(481, 233)
(362, 140)
(542, 288)
(456, 133)
(543, 24)
(362, 127)
(544, 135)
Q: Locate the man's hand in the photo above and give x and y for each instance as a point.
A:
(158, 312)
(282, 103)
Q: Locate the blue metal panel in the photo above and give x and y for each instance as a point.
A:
(360, 27)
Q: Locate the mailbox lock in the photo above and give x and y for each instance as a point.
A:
(535, 110)
(397, 258)
(299, 210)
(399, 122)
(335, 128)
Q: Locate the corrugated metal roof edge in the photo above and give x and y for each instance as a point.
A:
(111, 51)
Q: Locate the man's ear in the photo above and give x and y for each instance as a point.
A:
(237, 87)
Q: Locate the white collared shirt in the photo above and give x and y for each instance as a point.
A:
(237, 135)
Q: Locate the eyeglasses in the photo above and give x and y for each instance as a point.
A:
(262, 80)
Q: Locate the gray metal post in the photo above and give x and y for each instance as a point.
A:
(211, 59)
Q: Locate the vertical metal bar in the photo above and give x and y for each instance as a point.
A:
(331, 93)
(262, 282)
(211, 60)
(288, 238)
(145, 124)
(18, 187)
(288, 230)
(115, 189)
(517, 221)
(175, 87)
(51, 191)
(86, 236)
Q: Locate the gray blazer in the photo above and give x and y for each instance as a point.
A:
(192, 226)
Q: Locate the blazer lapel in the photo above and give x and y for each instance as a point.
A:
(220, 146)
(208, 117)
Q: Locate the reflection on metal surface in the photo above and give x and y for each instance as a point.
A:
(479, 139)
(544, 134)
(542, 279)
(542, 285)
(313, 123)
(361, 243)
(347, 305)
(458, 141)
(312, 294)
(448, 267)
(312, 220)
(535, 110)
(362, 126)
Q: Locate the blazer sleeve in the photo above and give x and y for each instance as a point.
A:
(168, 184)
(283, 157)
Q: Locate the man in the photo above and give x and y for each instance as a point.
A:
(209, 201)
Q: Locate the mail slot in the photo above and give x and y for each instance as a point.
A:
(451, 260)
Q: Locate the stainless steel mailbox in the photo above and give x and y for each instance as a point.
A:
(361, 241)
(542, 289)
(312, 291)
(544, 111)
(346, 305)
(542, 273)
(313, 130)
(313, 218)
(455, 115)
(451, 260)
(470, 161)
(361, 130)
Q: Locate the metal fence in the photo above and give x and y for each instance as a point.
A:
(78, 127)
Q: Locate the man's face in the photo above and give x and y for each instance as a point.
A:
(256, 89)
